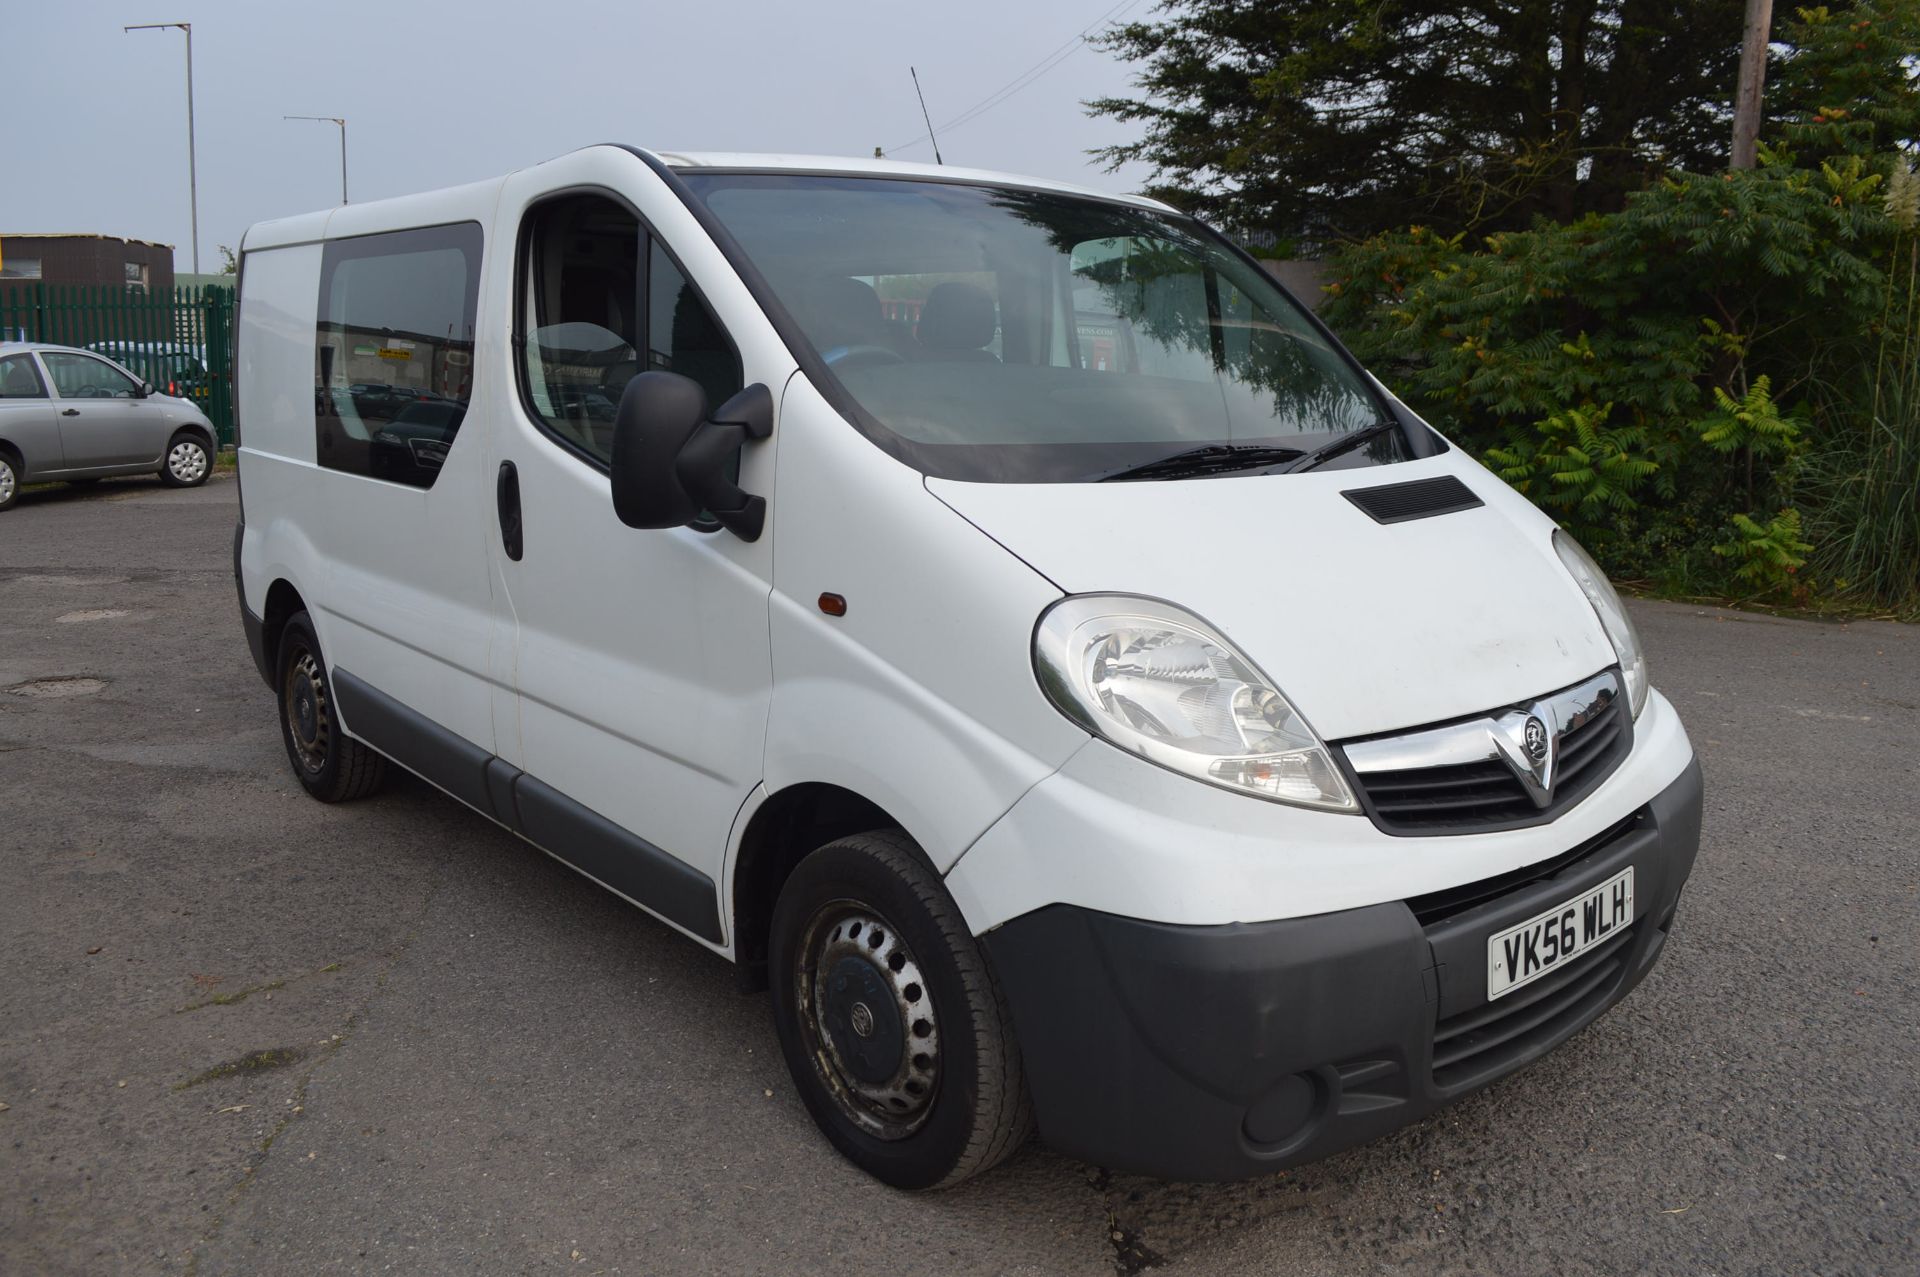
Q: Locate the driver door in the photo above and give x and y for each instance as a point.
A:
(641, 658)
(103, 420)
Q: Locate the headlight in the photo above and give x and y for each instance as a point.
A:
(1156, 681)
(1613, 617)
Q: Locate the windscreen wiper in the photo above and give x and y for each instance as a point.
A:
(1212, 458)
(1345, 443)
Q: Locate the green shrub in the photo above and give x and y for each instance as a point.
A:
(1767, 555)
(1645, 375)
(1866, 485)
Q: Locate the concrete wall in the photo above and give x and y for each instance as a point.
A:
(1303, 278)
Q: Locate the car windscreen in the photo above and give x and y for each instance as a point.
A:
(1011, 335)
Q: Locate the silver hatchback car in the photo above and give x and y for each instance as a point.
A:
(68, 414)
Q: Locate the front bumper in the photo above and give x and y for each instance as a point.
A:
(1217, 1052)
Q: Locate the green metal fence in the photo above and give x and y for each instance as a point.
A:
(181, 341)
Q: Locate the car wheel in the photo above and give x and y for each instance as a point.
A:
(893, 1027)
(186, 464)
(331, 765)
(9, 481)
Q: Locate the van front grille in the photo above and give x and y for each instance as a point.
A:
(1475, 786)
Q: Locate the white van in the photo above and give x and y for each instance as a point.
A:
(991, 614)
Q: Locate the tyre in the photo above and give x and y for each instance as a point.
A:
(893, 1027)
(9, 480)
(187, 463)
(332, 766)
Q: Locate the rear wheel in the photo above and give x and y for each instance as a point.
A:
(331, 766)
(187, 463)
(892, 1025)
(9, 480)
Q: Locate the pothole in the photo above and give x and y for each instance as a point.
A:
(54, 688)
(91, 614)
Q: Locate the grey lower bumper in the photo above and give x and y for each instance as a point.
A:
(1221, 1052)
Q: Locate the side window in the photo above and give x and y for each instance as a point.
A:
(682, 334)
(601, 301)
(81, 377)
(19, 379)
(394, 356)
(580, 316)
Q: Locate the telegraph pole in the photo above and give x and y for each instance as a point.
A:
(1747, 98)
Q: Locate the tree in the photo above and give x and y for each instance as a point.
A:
(1339, 118)
(1848, 82)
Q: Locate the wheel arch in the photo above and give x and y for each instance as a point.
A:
(201, 432)
(283, 600)
(780, 833)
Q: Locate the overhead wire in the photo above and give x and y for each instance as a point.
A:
(1021, 81)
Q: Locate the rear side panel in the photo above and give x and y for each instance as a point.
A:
(273, 373)
(274, 356)
(393, 574)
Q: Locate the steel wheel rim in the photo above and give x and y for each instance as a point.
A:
(304, 707)
(187, 461)
(6, 480)
(895, 1106)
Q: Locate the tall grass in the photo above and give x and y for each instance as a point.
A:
(1865, 487)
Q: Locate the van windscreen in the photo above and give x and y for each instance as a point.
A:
(1020, 336)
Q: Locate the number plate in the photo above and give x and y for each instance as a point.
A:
(1548, 941)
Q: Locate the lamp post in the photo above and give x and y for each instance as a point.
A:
(193, 172)
(332, 119)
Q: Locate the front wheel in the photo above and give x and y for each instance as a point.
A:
(893, 1027)
(187, 464)
(9, 481)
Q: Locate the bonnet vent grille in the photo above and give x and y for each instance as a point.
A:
(1420, 499)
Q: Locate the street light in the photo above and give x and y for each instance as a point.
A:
(332, 119)
(193, 172)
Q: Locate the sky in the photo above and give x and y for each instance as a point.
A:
(437, 93)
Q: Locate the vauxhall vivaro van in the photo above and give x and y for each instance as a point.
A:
(992, 614)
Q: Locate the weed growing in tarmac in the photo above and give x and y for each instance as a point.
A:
(257, 1062)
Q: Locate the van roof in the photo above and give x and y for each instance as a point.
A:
(475, 200)
(883, 168)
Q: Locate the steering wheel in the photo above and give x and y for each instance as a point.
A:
(863, 354)
(88, 391)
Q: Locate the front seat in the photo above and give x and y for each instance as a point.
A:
(839, 313)
(956, 324)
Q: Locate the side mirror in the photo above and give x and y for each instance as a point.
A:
(146, 390)
(670, 459)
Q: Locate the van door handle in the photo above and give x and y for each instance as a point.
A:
(69, 412)
(506, 491)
